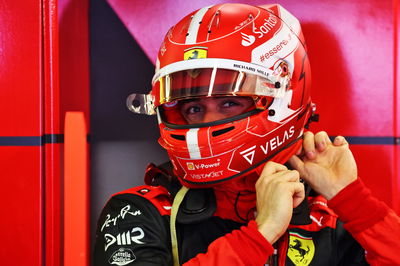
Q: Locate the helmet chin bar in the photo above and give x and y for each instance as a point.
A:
(247, 171)
(203, 157)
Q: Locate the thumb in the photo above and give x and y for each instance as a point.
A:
(299, 194)
(297, 164)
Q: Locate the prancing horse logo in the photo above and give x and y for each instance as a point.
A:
(301, 249)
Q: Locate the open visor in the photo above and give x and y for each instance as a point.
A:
(241, 79)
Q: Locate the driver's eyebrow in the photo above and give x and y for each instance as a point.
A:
(189, 100)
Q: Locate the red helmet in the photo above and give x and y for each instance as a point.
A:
(231, 50)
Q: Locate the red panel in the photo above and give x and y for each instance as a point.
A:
(51, 102)
(21, 209)
(396, 97)
(76, 192)
(21, 115)
(353, 67)
(52, 230)
(20, 69)
(73, 29)
(375, 167)
(396, 180)
(74, 57)
(30, 107)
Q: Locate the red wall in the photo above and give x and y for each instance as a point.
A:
(31, 121)
(21, 126)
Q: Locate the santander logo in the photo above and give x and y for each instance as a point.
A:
(247, 40)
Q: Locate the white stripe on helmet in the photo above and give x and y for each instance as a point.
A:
(193, 144)
(195, 25)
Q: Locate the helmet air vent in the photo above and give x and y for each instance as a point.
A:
(222, 131)
(178, 137)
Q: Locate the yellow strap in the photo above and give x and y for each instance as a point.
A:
(174, 211)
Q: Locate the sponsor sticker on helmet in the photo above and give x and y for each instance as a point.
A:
(266, 27)
(270, 145)
(190, 166)
(122, 256)
(195, 53)
(201, 166)
(210, 175)
(281, 45)
(247, 40)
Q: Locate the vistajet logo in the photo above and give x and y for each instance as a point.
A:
(193, 166)
(213, 174)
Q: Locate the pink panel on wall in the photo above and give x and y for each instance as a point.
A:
(353, 48)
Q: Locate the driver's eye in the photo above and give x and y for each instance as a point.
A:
(193, 109)
(229, 104)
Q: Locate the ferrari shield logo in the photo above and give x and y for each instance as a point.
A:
(195, 53)
(301, 249)
(190, 166)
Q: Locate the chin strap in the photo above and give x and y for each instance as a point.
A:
(174, 212)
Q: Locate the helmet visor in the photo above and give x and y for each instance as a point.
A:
(207, 82)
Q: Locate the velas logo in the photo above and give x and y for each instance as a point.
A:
(195, 53)
(199, 166)
(301, 249)
(269, 146)
(248, 154)
(247, 40)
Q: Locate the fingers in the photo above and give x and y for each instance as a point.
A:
(309, 145)
(321, 140)
(312, 144)
(274, 171)
(272, 168)
(298, 193)
(297, 164)
(339, 140)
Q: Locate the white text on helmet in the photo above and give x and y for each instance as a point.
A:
(275, 49)
(193, 166)
(276, 141)
(212, 174)
(268, 25)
